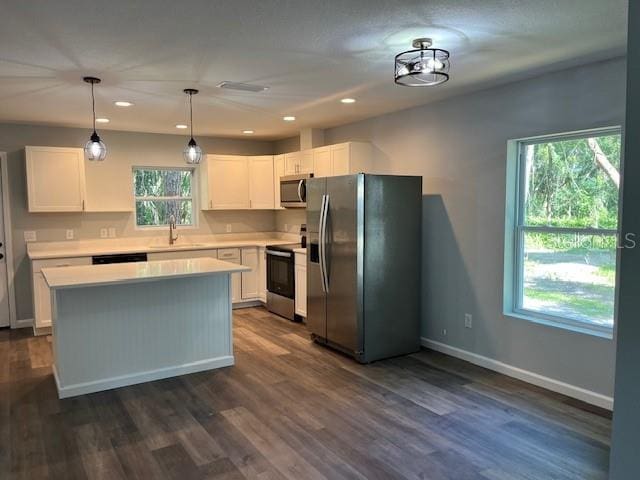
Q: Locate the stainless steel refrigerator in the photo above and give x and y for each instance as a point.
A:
(364, 264)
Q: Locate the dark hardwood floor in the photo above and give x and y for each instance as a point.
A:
(291, 409)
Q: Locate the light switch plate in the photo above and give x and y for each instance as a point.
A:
(468, 320)
(228, 228)
(103, 233)
(69, 234)
(112, 232)
(30, 236)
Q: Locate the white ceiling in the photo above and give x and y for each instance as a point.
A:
(310, 53)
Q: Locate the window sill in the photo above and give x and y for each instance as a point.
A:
(608, 335)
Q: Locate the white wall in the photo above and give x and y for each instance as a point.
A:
(459, 147)
(125, 149)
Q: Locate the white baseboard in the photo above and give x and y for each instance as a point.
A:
(24, 323)
(139, 377)
(569, 390)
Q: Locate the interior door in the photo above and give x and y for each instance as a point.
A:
(4, 290)
(342, 296)
(316, 301)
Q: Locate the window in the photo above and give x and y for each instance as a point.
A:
(565, 222)
(162, 192)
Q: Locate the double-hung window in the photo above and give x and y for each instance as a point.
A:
(564, 217)
(161, 193)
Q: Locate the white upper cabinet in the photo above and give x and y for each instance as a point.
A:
(278, 171)
(342, 159)
(322, 162)
(306, 161)
(55, 179)
(225, 182)
(261, 186)
(292, 163)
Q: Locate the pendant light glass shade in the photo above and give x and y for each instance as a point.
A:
(422, 67)
(95, 149)
(192, 153)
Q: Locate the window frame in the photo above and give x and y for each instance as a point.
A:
(515, 230)
(193, 197)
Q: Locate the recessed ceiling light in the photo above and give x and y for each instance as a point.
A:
(122, 103)
(102, 120)
(289, 118)
(181, 126)
(248, 132)
(348, 100)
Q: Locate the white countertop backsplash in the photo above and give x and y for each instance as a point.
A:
(87, 248)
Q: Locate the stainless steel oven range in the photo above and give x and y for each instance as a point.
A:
(280, 280)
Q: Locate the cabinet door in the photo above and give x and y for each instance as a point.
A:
(306, 162)
(261, 187)
(41, 301)
(228, 183)
(301, 290)
(292, 163)
(340, 161)
(262, 274)
(55, 179)
(152, 256)
(278, 171)
(322, 162)
(250, 278)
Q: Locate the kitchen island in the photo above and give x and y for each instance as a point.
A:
(121, 324)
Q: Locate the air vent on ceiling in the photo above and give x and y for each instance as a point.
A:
(245, 87)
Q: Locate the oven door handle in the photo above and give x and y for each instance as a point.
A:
(279, 254)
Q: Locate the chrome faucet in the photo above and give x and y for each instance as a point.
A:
(172, 228)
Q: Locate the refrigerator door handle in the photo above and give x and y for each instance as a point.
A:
(320, 246)
(323, 242)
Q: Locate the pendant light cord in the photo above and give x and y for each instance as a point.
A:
(191, 114)
(93, 108)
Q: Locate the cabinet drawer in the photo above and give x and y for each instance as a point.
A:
(301, 259)
(229, 254)
(37, 265)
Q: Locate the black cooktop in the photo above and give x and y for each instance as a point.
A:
(284, 247)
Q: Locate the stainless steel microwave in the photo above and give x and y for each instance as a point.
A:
(293, 190)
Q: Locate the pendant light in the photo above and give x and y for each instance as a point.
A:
(422, 67)
(192, 153)
(95, 149)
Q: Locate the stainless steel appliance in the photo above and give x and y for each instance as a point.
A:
(364, 265)
(293, 191)
(281, 291)
(119, 258)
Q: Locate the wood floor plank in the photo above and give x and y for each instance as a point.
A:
(290, 408)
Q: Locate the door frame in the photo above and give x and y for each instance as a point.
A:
(8, 240)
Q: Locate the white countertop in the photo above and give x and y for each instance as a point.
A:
(118, 273)
(44, 250)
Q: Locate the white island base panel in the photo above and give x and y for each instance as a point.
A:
(109, 336)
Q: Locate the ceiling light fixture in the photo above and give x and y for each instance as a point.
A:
(422, 67)
(248, 132)
(95, 149)
(102, 120)
(122, 103)
(192, 153)
(182, 126)
(289, 118)
(348, 100)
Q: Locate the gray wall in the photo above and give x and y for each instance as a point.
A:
(625, 463)
(124, 150)
(459, 147)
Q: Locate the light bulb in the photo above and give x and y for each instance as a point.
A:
(95, 149)
(433, 64)
(192, 153)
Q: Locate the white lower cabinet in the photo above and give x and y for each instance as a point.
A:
(250, 279)
(300, 274)
(262, 274)
(233, 255)
(182, 254)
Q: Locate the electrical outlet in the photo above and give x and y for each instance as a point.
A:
(69, 234)
(30, 236)
(103, 233)
(228, 228)
(444, 332)
(468, 320)
(112, 232)
(286, 227)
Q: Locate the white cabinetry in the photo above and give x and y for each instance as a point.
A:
(181, 254)
(299, 162)
(250, 279)
(300, 274)
(279, 169)
(342, 159)
(55, 179)
(233, 255)
(261, 186)
(262, 274)
(225, 182)
(41, 292)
